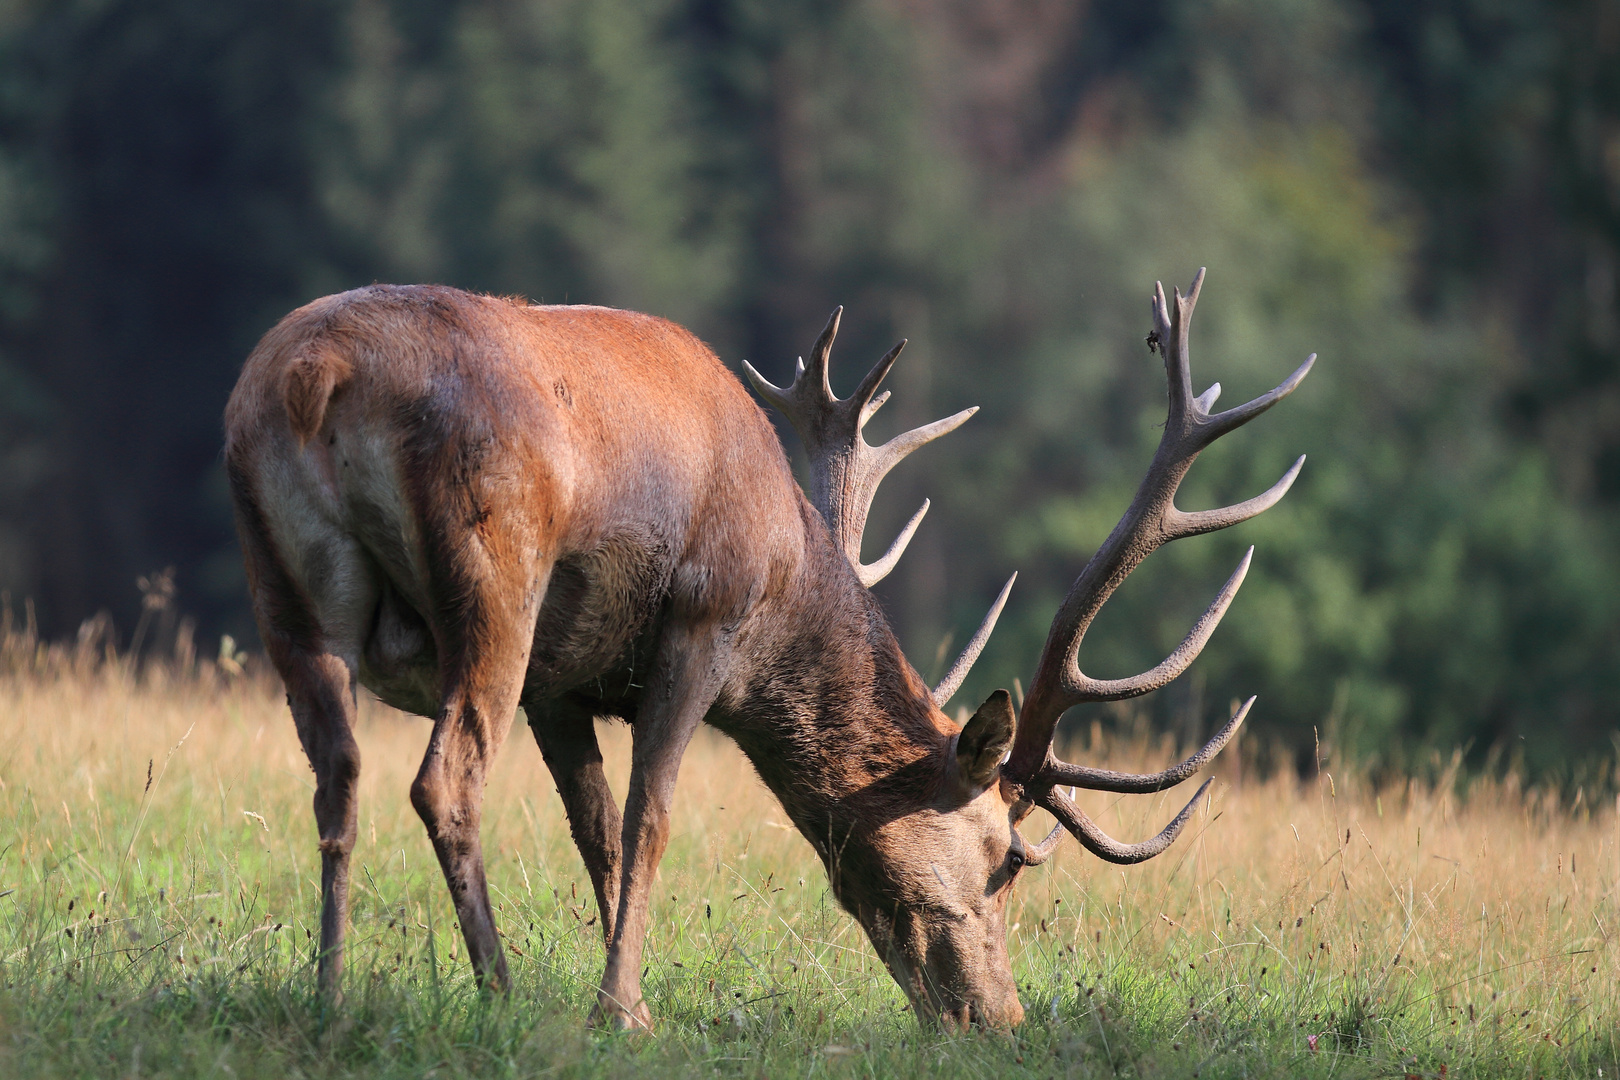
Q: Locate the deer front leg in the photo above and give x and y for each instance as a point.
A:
(690, 672)
(566, 733)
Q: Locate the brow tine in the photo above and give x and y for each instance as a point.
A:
(1106, 847)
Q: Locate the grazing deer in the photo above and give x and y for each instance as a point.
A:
(470, 504)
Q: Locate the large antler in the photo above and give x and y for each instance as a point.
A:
(1151, 521)
(845, 470)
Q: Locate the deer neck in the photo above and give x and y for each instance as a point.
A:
(836, 722)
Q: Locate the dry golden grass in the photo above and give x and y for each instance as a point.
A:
(164, 820)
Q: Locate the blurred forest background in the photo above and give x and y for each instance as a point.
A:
(1426, 192)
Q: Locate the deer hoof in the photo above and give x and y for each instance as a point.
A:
(614, 1017)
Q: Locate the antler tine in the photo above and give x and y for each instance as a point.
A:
(774, 395)
(874, 572)
(952, 682)
(845, 470)
(1082, 687)
(1151, 521)
(880, 371)
(1034, 856)
(1172, 325)
(821, 353)
(1219, 424)
(1100, 844)
(1182, 523)
(1061, 772)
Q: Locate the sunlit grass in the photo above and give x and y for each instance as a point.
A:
(160, 886)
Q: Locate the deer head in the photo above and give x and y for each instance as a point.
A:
(929, 876)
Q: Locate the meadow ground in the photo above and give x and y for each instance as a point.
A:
(158, 888)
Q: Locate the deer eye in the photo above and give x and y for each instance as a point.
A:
(1015, 861)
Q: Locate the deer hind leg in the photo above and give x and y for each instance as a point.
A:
(484, 650)
(688, 674)
(320, 690)
(566, 733)
(311, 639)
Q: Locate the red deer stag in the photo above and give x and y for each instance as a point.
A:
(470, 504)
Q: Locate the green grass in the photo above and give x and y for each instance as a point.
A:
(163, 928)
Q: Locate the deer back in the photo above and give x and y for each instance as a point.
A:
(444, 434)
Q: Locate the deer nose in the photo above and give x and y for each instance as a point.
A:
(978, 1014)
(997, 1016)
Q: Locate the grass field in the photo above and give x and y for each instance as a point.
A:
(158, 888)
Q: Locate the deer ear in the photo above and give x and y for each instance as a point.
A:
(984, 741)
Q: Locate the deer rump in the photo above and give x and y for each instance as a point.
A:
(399, 444)
(471, 504)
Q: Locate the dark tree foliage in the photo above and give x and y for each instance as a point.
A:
(1503, 119)
(167, 144)
(1426, 194)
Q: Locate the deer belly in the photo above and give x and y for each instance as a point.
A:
(599, 617)
(399, 662)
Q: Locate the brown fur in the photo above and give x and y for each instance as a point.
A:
(470, 504)
(311, 378)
